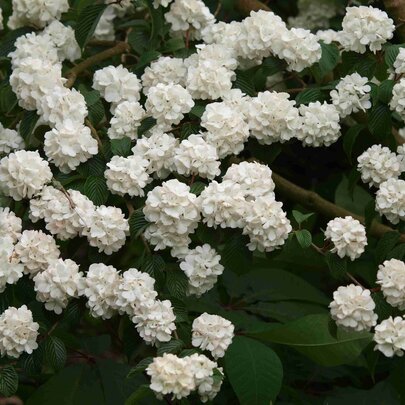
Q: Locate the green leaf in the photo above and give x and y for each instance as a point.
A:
(311, 336)
(197, 110)
(385, 245)
(380, 121)
(177, 283)
(329, 59)
(309, 96)
(145, 60)
(8, 381)
(244, 82)
(27, 125)
(121, 147)
(142, 393)
(349, 139)
(337, 266)
(55, 352)
(189, 128)
(173, 45)
(397, 253)
(155, 266)
(385, 91)
(146, 125)
(140, 367)
(138, 40)
(304, 238)
(8, 40)
(197, 187)
(174, 346)
(254, 371)
(8, 99)
(390, 54)
(137, 223)
(300, 217)
(235, 254)
(87, 23)
(96, 189)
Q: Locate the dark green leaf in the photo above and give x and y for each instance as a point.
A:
(391, 53)
(137, 223)
(312, 337)
(254, 371)
(174, 346)
(173, 45)
(177, 283)
(8, 99)
(27, 125)
(380, 122)
(385, 91)
(397, 253)
(7, 42)
(304, 238)
(145, 60)
(300, 217)
(197, 110)
(235, 255)
(146, 125)
(96, 189)
(197, 187)
(142, 395)
(55, 352)
(385, 245)
(121, 147)
(87, 23)
(244, 82)
(337, 266)
(140, 367)
(155, 266)
(309, 96)
(8, 381)
(349, 139)
(329, 59)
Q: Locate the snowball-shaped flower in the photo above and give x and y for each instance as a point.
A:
(127, 175)
(33, 79)
(173, 205)
(389, 336)
(319, 125)
(11, 270)
(273, 117)
(223, 204)
(159, 149)
(126, 120)
(63, 38)
(171, 375)
(18, 332)
(164, 70)
(212, 333)
(69, 144)
(266, 224)
(23, 174)
(195, 156)
(162, 236)
(9, 140)
(36, 250)
(60, 282)
(108, 230)
(390, 200)
(366, 27)
(10, 224)
(202, 267)
(105, 30)
(391, 277)
(353, 308)
(397, 102)
(399, 64)
(185, 14)
(254, 179)
(62, 104)
(378, 164)
(328, 36)
(100, 289)
(135, 291)
(116, 84)
(168, 103)
(299, 48)
(65, 215)
(348, 236)
(352, 94)
(156, 323)
(227, 128)
(37, 13)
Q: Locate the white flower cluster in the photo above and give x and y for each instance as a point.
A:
(11, 269)
(348, 236)
(391, 277)
(353, 308)
(399, 63)
(18, 332)
(180, 376)
(352, 94)
(378, 164)
(390, 200)
(174, 212)
(389, 336)
(212, 333)
(107, 291)
(10, 140)
(365, 27)
(202, 267)
(126, 120)
(10, 225)
(397, 102)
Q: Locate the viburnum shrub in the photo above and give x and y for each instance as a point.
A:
(202, 201)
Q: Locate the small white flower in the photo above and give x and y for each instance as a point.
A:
(397, 102)
(18, 332)
(10, 224)
(391, 277)
(399, 64)
(126, 120)
(212, 333)
(353, 308)
(390, 200)
(348, 236)
(10, 140)
(389, 336)
(11, 270)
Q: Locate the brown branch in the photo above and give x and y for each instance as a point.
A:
(315, 202)
(94, 133)
(246, 6)
(73, 73)
(396, 9)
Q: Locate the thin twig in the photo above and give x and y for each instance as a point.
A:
(94, 133)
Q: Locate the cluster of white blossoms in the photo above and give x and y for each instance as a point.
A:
(11, 269)
(389, 336)
(378, 164)
(180, 376)
(212, 333)
(348, 236)
(18, 332)
(352, 94)
(10, 140)
(397, 102)
(391, 277)
(202, 267)
(390, 200)
(353, 308)
(10, 225)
